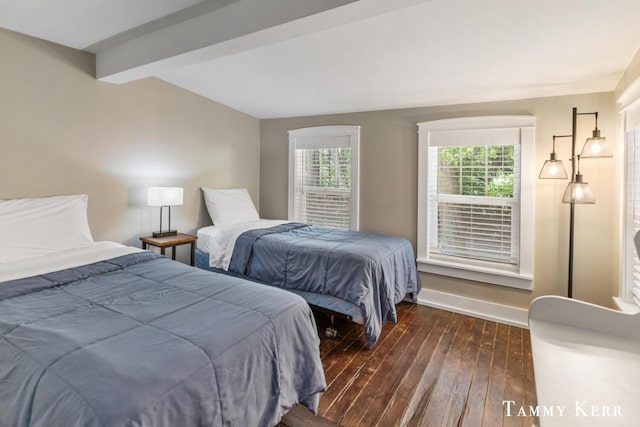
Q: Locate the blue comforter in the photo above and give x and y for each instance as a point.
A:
(142, 340)
(372, 271)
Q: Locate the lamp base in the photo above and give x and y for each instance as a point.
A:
(165, 233)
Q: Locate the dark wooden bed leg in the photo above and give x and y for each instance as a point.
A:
(330, 332)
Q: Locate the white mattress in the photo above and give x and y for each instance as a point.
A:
(218, 240)
(99, 251)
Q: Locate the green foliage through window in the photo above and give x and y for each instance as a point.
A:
(330, 167)
(476, 170)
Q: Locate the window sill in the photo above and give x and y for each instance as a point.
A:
(477, 273)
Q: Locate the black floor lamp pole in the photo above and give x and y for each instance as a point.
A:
(572, 210)
(571, 224)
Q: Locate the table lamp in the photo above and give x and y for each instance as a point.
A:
(164, 197)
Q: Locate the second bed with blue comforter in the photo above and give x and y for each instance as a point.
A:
(372, 271)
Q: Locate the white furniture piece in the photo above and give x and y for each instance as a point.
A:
(586, 360)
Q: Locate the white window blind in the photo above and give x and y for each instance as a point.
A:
(474, 216)
(323, 186)
(474, 200)
(323, 176)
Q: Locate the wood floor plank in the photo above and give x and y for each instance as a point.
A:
(421, 400)
(474, 411)
(372, 402)
(493, 409)
(299, 416)
(379, 371)
(347, 360)
(459, 394)
(513, 377)
(437, 410)
(529, 389)
(433, 368)
(332, 404)
(346, 411)
(414, 381)
(339, 359)
(392, 374)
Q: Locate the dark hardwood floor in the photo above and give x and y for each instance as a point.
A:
(432, 368)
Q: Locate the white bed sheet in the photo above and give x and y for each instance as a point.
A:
(99, 251)
(218, 240)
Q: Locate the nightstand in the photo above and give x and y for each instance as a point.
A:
(171, 242)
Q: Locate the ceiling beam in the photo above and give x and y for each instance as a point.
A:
(236, 27)
(216, 33)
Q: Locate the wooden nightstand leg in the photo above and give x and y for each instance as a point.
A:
(193, 253)
(144, 246)
(162, 251)
(173, 253)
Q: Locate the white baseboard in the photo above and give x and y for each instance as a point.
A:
(509, 315)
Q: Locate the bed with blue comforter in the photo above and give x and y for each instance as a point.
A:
(372, 272)
(143, 340)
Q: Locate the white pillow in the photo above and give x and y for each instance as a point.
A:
(36, 227)
(229, 206)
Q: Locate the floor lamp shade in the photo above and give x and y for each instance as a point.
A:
(578, 191)
(596, 146)
(553, 169)
(164, 197)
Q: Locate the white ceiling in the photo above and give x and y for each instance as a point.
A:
(81, 23)
(310, 57)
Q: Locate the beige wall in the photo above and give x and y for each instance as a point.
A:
(63, 132)
(388, 189)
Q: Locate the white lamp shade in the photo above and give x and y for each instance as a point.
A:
(164, 196)
(578, 192)
(553, 169)
(596, 147)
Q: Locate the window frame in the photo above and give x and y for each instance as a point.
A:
(321, 137)
(631, 223)
(522, 276)
(629, 263)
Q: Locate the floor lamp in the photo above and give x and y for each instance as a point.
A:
(578, 190)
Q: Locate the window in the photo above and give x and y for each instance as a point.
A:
(630, 277)
(475, 214)
(323, 176)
